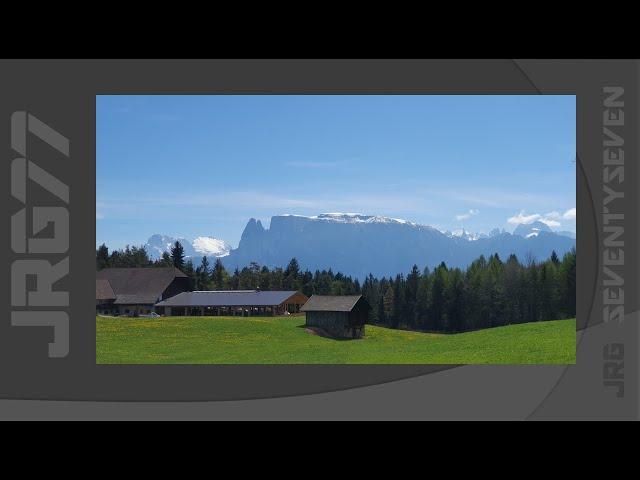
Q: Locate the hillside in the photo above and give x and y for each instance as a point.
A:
(284, 340)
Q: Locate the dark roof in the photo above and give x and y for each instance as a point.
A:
(331, 303)
(104, 290)
(228, 298)
(138, 285)
(142, 298)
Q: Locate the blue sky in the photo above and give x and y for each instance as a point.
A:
(203, 165)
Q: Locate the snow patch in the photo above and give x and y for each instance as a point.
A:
(211, 246)
(340, 217)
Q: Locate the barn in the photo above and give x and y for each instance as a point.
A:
(135, 291)
(338, 316)
(233, 302)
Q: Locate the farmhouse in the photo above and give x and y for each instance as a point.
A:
(234, 302)
(338, 316)
(135, 291)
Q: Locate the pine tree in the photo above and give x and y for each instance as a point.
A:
(388, 304)
(234, 281)
(177, 255)
(277, 279)
(422, 303)
(307, 286)
(166, 260)
(512, 290)
(139, 257)
(219, 275)
(292, 269)
(265, 275)
(533, 293)
(204, 274)
(291, 280)
(398, 316)
(569, 283)
(381, 317)
(191, 273)
(411, 295)
(456, 301)
(102, 257)
(438, 298)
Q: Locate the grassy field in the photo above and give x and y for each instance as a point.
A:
(283, 340)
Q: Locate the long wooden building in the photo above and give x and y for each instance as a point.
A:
(233, 302)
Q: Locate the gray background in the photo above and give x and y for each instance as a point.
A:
(62, 94)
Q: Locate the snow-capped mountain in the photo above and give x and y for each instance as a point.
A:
(194, 249)
(533, 229)
(211, 246)
(462, 233)
(357, 244)
(353, 218)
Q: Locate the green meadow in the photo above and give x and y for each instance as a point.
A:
(284, 340)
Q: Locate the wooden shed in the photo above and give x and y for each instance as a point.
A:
(338, 316)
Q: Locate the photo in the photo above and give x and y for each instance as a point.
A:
(336, 229)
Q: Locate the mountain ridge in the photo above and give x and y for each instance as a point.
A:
(357, 244)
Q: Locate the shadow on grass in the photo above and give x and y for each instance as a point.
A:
(322, 333)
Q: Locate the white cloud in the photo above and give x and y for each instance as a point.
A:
(467, 215)
(551, 219)
(570, 214)
(549, 222)
(523, 218)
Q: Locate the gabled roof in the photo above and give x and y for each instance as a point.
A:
(137, 285)
(228, 298)
(331, 303)
(143, 298)
(104, 290)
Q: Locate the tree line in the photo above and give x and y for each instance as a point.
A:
(489, 293)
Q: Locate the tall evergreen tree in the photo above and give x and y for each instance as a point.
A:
(398, 316)
(177, 255)
(411, 297)
(234, 281)
(512, 291)
(219, 275)
(265, 278)
(438, 298)
(291, 279)
(422, 303)
(389, 304)
(166, 260)
(190, 272)
(456, 303)
(102, 257)
(569, 283)
(204, 274)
